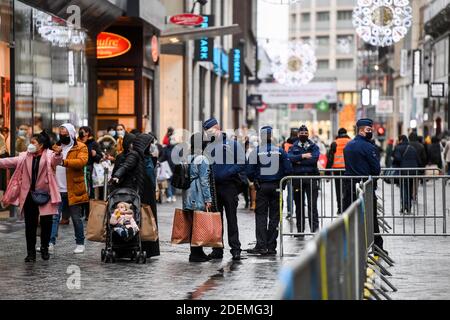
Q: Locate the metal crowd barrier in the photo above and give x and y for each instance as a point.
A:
(423, 196)
(334, 263)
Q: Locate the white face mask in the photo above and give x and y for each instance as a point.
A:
(112, 133)
(121, 133)
(32, 148)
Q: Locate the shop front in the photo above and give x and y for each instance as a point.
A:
(127, 58)
(50, 74)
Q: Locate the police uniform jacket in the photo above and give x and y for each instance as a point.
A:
(304, 166)
(268, 163)
(361, 158)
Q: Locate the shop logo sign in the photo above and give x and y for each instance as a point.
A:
(110, 45)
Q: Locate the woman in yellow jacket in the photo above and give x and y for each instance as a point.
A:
(71, 183)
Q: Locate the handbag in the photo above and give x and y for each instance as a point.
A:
(182, 227)
(148, 227)
(207, 229)
(96, 226)
(40, 197)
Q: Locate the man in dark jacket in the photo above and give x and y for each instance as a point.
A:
(268, 164)
(304, 156)
(420, 148)
(405, 156)
(362, 158)
(228, 162)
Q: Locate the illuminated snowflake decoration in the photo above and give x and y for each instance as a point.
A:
(382, 22)
(295, 64)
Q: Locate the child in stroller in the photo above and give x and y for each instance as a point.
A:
(123, 224)
(123, 221)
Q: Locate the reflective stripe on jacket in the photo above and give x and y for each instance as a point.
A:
(339, 161)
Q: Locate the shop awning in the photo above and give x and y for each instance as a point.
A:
(96, 15)
(198, 33)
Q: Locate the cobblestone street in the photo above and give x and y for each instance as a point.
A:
(421, 270)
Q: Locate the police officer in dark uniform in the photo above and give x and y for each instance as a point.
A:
(304, 156)
(228, 162)
(362, 158)
(268, 164)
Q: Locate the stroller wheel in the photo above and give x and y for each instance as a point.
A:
(113, 256)
(103, 255)
(138, 258)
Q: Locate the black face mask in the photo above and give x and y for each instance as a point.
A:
(303, 139)
(81, 134)
(369, 136)
(64, 139)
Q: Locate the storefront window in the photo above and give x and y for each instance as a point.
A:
(51, 77)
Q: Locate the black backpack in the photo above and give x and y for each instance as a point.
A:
(181, 178)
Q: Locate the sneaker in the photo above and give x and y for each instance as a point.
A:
(51, 248)
(79, 249)
(174, 199)
(38, 248)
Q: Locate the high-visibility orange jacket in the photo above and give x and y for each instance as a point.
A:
(338, 156)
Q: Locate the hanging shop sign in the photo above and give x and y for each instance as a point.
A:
(420, 91)
(382, 22)
(110, 45)
(385, 106)
(220, 62)
(204, 48)
(237, 65)
(255, 100)
(323, 106)
(155, 49)
(417, 66)
(186, 19)
(437, 89)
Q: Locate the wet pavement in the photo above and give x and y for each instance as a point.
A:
(421, 270)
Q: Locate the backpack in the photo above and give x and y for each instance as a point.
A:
(181, 178)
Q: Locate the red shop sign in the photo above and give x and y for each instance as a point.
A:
(186, 19)
(110, 45)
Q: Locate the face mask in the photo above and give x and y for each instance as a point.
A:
(22, 133)
(112, 133)
(32, 148)
(121, 133)
(303, 139)
(81, 134)
(369, 135)
(64, 139)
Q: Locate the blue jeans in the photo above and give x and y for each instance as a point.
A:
(76, 212)
(169, 188)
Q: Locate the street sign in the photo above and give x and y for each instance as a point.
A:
(323, 106)
(420, 91)
(437, 89)
(186, 19)
(255, 100)
(385, 106)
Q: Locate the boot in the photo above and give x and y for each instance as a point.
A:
(45, 254)
(31, 256)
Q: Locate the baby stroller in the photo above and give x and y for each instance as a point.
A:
(117, 248)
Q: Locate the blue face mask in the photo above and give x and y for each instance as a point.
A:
(22, 133)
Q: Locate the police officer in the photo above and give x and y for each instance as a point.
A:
(228, 162)
(336, 161)
(362, 158)
(304, 155)
(268, 164)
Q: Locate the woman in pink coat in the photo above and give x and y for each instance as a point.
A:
(35, 174)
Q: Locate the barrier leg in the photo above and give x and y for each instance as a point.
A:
(382, 269)
(385, 280)
(383, 254)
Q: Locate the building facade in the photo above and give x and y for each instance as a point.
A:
(327, 25)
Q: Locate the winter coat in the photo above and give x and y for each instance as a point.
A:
(74, 163)
(422, 153)
(304, 166)
(434, 154)
(405, 156)
(129, 138)
(199, 191)
(46, 180)
(91, 144)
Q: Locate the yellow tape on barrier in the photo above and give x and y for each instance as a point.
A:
(347, 233)
(323, 271)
